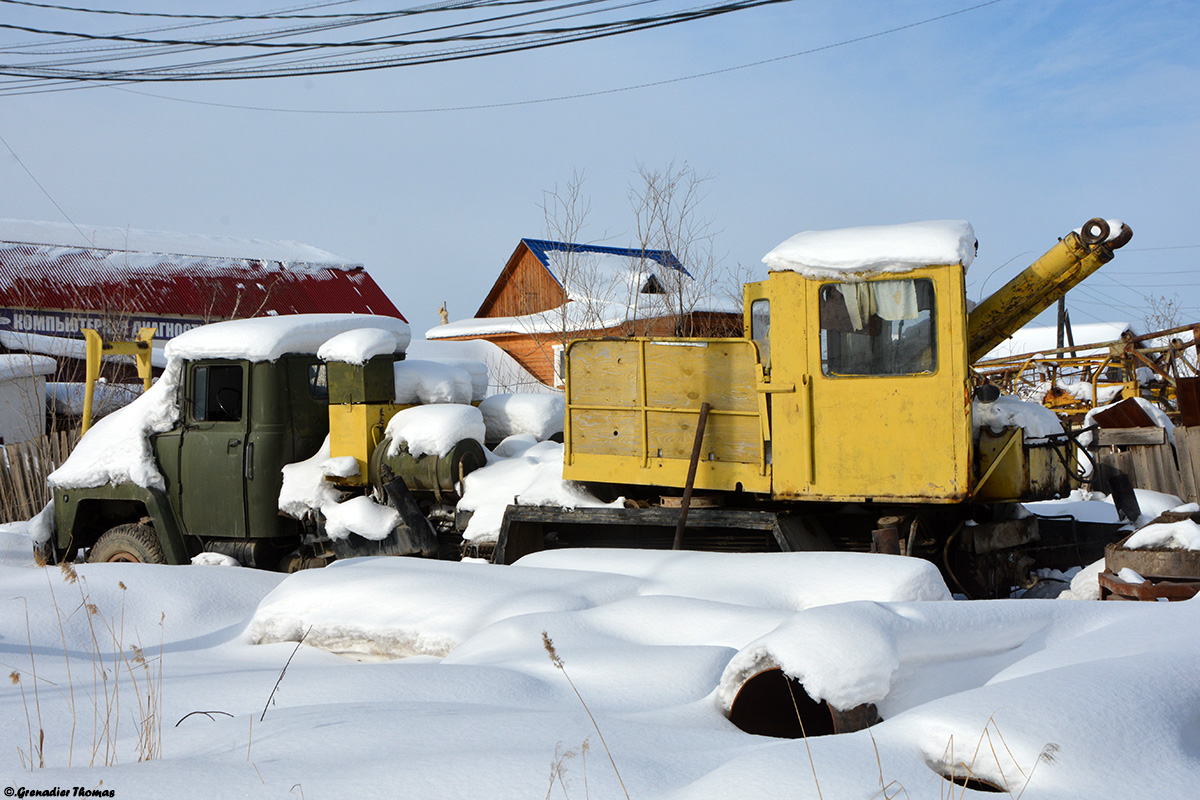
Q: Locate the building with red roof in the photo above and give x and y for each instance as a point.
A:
(57, 278)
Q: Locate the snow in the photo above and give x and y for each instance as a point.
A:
(1182, 535)
(532, 476)
(1007, 411)
(69, 347)
(1099, 507)
(1156, 414)
(477, 370)
(1039, 339)
(116, 449)
(269, 338)
(65, 235)
(305, 489)
(432, 382)
(505, 373)
(67, 398)
(603, 291)
(434, 429)
(360, 515)
(857, 253)
(1080, 390)
(1129, 575)
(539, 415)
(214, 560)
(1026, 691)
(13, 366)
(359, 346)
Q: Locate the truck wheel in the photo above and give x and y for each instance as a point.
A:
(135, 543)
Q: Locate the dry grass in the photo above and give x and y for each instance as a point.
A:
(557, 661)
(117, 668)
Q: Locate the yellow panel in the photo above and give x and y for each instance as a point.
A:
(904, 437)
(630, 421)
(354, 430)
(607, 432)
(710, 475)
(683, 374)
(604, 372)
(726, 438)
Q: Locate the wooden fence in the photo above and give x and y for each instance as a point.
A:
(1156, 466)
(26, 465)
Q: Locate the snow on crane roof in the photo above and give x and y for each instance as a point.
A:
(56, 234)
(268, 338)
(875, 249)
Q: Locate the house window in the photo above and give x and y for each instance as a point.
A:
(878, 328)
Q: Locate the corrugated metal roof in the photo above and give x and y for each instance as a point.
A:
(539, 247)
(44, 276)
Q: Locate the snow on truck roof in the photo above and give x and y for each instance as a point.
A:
(875, 249)
(269, 338)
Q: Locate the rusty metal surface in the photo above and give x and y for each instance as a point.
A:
(1125, 414)
(1187, 393)
(1154, 563)
(1113, 588)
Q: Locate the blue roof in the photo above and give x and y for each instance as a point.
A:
(539, 247)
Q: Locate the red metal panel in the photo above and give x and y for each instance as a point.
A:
(39, 276)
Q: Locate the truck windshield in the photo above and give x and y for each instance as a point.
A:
(878, 328)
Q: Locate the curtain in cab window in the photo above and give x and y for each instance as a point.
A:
(878, 328)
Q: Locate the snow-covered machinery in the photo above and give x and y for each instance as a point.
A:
(267, 440)
(847, 407)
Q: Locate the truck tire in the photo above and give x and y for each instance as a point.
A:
(134, 542)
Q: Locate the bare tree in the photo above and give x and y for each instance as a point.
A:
(666, 207)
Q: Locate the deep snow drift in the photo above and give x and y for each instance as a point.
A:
(1061, 699)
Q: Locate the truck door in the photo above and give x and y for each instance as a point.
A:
(880, 411)
(213, 451)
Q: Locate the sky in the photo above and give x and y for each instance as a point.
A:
(1025, 117)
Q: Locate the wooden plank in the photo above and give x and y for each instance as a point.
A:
(607, 432)
(726, 438)
(684, 375)
(1187, 473)
(604, 373)
(1131, 436)
(1190, 453)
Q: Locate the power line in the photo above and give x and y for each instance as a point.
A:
(482, 42)
(32, 177)
(575, 96)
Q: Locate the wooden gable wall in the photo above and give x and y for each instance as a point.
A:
(525, 286)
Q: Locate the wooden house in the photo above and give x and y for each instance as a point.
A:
(552, 292)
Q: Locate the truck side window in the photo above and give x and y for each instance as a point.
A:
(318, 381)
(878, 328)
(760, 329)
(217, 390)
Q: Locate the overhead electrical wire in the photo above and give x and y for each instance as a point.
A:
(519, 25)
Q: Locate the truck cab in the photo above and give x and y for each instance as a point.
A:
(196, 463)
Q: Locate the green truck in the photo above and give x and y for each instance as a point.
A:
(196, 463)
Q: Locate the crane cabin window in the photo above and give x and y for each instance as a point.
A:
(878, 328)
(760, 329)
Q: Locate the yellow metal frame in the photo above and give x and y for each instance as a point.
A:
(355, 429)
(140, 348)
(653, 413)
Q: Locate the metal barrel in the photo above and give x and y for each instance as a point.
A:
(426, 473)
